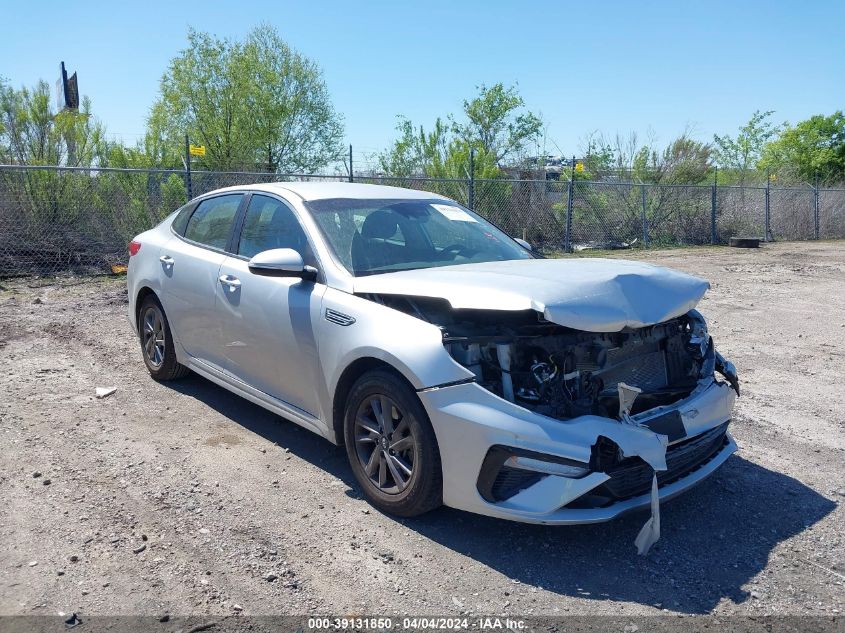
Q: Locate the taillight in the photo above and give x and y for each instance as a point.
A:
(134, 247)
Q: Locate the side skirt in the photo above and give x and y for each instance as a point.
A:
(242, 389)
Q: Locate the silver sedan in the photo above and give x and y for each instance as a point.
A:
(456, 366)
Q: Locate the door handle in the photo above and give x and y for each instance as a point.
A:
(167, 260)
(232, 282)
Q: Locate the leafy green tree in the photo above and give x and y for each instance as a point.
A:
(497, 121)
(435, 154)
(75, 215)
(416, 152)
(684, 161)
(599, 158)
(812, 148)
(255, 102)
(741, 153)
(30, 133)
(495, 127)
(152, 152)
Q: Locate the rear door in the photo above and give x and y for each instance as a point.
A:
(268, 322)
(190, 266)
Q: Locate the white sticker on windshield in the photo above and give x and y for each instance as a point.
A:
(455, 214)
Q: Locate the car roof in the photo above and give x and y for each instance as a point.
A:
(324, 190)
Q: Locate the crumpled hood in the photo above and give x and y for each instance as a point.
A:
(594, 295)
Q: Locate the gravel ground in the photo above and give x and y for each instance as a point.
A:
(184, 499)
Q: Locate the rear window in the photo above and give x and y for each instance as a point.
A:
(211, 224)
(180, 222)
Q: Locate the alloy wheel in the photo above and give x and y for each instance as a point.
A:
(152, 336)
(384, 444)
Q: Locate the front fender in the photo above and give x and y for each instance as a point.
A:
(412, 346)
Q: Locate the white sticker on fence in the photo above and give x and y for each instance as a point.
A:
(455, 214)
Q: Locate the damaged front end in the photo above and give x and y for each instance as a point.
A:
(642, 379)
(564, 373)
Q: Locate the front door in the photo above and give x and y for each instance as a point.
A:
(268, 322)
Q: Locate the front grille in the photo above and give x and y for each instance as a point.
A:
(631, 477)
(509, 481)
(498, 482)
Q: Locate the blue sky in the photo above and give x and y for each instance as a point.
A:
(584, 66)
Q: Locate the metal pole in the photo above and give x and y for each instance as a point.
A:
(350, 163)
(567, 243)
(643, 216)
(188, 185)
(768, 227)
(816, 206)
(471, 183)
(713, 239)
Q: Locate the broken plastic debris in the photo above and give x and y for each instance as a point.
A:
(651, 448)
(72, 621)
(728, 370)
(650, 532)
(627, 395)
(103, 392)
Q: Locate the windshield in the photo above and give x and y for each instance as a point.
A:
(377, 236)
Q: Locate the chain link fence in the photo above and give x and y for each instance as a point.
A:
(56, 219)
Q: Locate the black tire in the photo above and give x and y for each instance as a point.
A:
(423, 490)
(167, 368)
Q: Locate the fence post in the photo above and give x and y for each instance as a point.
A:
(643, 216)
(766, 217)
(567, 242)
(350, 163)
(713, 236)
(471, 181)
(816, 207)
(188, 185)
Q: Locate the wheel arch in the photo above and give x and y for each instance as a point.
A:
(143, 293)
(348, 377)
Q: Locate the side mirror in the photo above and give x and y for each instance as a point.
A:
(281, 262)
(523, 244)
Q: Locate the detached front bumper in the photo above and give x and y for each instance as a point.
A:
(469, 420)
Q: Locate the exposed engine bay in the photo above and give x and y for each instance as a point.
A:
(564, 373)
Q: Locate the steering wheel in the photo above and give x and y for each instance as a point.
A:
(459, 249)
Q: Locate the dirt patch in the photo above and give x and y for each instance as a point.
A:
(183, 498)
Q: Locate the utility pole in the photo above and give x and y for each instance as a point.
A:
(713, 236)
(643, 216)
(767, 216)
(188, 185)
(471, 183)
(567, 242)
(816, 207)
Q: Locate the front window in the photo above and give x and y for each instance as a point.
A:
(378, 236)
(270, 224)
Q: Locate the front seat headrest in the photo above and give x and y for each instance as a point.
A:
(380, 224)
